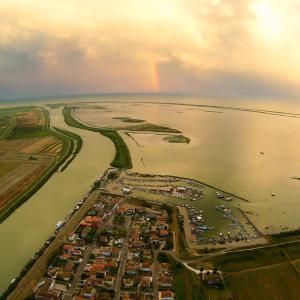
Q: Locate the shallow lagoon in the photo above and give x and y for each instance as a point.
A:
(249, 154)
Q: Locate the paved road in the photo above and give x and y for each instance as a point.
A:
(80, 269)
(123, 259)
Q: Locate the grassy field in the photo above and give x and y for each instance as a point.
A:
(122, 157)
(276, 282)
(297, 265)
(292, 251)
(186, 284)
(234, 262)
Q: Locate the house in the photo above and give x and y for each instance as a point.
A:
(166, 295)
(165, 267)
(212, 278)
(145, 267)
(164, 281)
(138, 244)
(128, 283)
(145, 282)
(68, 248)
(45, 290)
(134, 255)
(99, 270)
(88, 292)
(162, 225)
(131, 269)
(116, 253)
(126, 190)
(105, 251)
(103, 240)
(108, 282)
(147, 254)
(92, 281)
(72, 237)
(126, 296)
(112, 265)
(163, 233)
(64, 276)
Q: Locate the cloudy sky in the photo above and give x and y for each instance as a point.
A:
(224, 47)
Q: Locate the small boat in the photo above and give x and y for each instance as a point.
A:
(262, 153)
(59, 225)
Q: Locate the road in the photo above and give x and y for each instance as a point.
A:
(123, 259)
(80, 269)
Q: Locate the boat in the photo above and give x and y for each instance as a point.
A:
(59, 225)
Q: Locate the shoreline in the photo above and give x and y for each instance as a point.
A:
(40, 260)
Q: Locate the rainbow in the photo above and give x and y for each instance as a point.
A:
(154, 76)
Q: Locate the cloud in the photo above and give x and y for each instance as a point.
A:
(206, 46)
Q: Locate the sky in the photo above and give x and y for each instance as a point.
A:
(212, 47)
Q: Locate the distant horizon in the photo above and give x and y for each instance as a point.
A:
(166, 94)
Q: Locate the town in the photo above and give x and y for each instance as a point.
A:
(112, 254)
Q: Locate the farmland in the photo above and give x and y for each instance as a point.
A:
(275, 282)
(270, 272)
(30, 152)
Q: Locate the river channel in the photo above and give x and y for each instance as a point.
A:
(25, 231)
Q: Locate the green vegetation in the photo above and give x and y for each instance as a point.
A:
(276, 282)
(119, 220)
(169, 243)
(55, 105)
(73, 136)
(19, 132)
(177, 139)
(150, 127)
(90, 236)
(122, 157)
(129, 120)
(292, 251)
(74, 146)
(285, 236)
(181, 245)
(7, 122)
(187, 285)
(238, 261)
